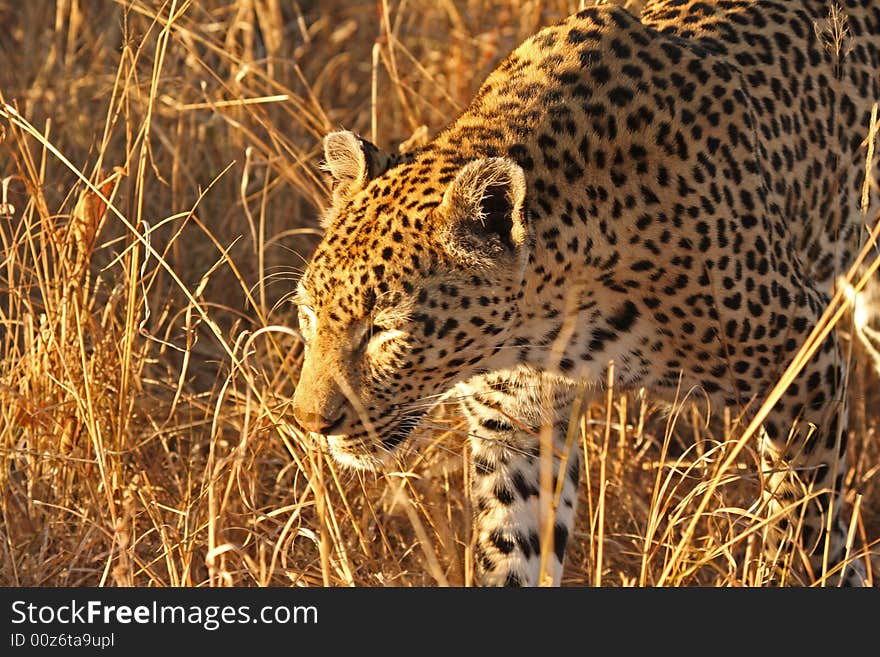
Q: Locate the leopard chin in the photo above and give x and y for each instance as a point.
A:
(368, 455)
(357, 459)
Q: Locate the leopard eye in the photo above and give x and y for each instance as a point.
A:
(367, 334)
(306, 323)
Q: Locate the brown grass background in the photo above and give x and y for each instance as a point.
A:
(142, 397)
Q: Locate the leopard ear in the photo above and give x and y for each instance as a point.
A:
(483, 210)
(353, 161)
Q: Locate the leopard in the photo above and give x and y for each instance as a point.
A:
(663, 201)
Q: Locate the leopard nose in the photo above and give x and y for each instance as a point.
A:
(316, 422)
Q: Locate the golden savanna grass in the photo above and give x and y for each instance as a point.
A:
(159, 194)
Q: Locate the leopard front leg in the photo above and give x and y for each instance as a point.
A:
(803, 450)
(507, 414)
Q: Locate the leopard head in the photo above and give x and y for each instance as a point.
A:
(414, 287)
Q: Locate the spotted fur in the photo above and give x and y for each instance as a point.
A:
(675, 194)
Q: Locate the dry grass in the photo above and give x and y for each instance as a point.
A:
(158, 190)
